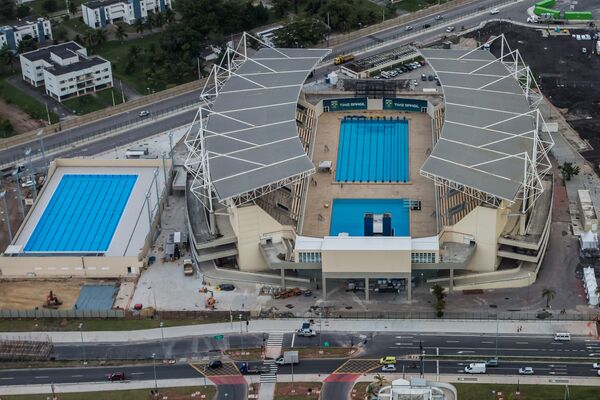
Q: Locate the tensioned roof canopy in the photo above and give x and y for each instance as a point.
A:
(251, 136)
(485, 134)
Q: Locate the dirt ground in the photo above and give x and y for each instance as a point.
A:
(568, 77)
(305, 390)
(19, 119)
(28, 294)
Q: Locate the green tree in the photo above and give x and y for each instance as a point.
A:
(60, 33)
(440, 303)
(72, 7)
(134, 52)
(7, 10)
(120, 33)
(568, 170)
(99, 37)
(6, 128)
(139, 26)
(89, 38)
(8, 57)
(26, 44)
(548, 294)
(23, 10)
(159, 20)
(169, 16)
(50, 6)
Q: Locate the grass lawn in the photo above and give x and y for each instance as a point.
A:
(76, 24)
(31, 106)
(94, 101)
(468, 391)
(301, 390)
(325, 352)
(36, 6)
(28, 325)
(118, 54)
(140, 394)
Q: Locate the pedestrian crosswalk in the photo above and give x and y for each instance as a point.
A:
(272, 351)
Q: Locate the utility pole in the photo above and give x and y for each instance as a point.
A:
(48, 114)
(497, 329)
(241, 333)
(122, 92)
(82, 344)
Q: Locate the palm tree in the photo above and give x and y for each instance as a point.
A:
(369, 392)
(548, 294)
(134, 52)
(8, 57)
(72, 7)
(99, 37)
(569, 170)
(89, 37)
(169, 16)
(150, 21)
(120, 33)
(159, 20)
(380, 381)
(139, 26)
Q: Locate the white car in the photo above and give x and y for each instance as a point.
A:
(438, 17)
(144, 113)
(450, 29)
(306, 332)
(596, 365)
(408, 28)
(388, 368)
(27, 183)
(526, 371)
(494, 11)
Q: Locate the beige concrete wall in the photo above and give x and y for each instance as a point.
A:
(484, 224)
(362, 261)
(250, 224)
(68, 266)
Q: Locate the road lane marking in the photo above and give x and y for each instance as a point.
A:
(521, 342)
(452, 341)
(293, 339)
(41, 377)
(484, 342)
(403, 344)
(7, 378)
(76, 376)
(136, 373)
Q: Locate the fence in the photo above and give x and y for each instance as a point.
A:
(215, 316)
(405, 20)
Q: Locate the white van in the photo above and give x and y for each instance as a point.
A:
(562, 336)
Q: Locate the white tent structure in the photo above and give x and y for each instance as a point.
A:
(588, 240)
(591, 285)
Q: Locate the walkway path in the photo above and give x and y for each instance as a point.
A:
(335, 325)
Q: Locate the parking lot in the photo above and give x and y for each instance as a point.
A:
(421, 77)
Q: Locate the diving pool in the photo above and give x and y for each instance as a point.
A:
(373, 150)
(347, 215)
(82, 214)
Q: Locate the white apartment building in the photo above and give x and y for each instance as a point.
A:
(66, 70)
(37, 28)
(99, 13)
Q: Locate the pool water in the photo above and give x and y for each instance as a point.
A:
(347, 215)
(82, 214)
(373, 150)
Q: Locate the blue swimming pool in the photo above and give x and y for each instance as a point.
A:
(348, 215)
(373, 150)
(82, 214)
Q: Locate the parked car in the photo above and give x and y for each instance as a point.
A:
(144, 113)
(226, 287)
(27, 183)
(526, 371)
(116, 376)
(214, 364)
(387, 360)
(423, 77)
(430, 78)
(388, 368)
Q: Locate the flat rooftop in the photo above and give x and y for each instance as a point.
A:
(323, 188)
(77, 200)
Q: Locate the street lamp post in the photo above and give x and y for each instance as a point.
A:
(6, 216)
(154, 368)
(31, 173)
(171, 149)
(40, 136)
(17, 176)
(241, 333)
(163, 155)
(157, 194)
(149, 216)
(162, 337)
(82, 344)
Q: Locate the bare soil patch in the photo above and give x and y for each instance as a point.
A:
(29, 294)
(19, 119)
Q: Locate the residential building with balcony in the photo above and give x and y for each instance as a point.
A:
(39, 29)
(66, 70)
(99, 13)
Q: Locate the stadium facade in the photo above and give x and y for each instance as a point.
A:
(369, 187)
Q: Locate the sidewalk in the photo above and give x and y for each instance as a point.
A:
(332, 325)
(148, 384)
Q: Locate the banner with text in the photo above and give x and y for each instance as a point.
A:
(359, 103)
(394, 103)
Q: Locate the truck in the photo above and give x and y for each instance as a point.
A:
(249, 369)
(342, 59)
(288, 357)
(188, 267)
(475, 368)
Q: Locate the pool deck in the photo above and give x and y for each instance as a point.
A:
(130, 234)
(323, 188)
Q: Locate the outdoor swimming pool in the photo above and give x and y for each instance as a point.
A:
(373, 150)
(347, 215)
(82, 214)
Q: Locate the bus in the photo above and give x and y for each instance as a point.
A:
(136, 153)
